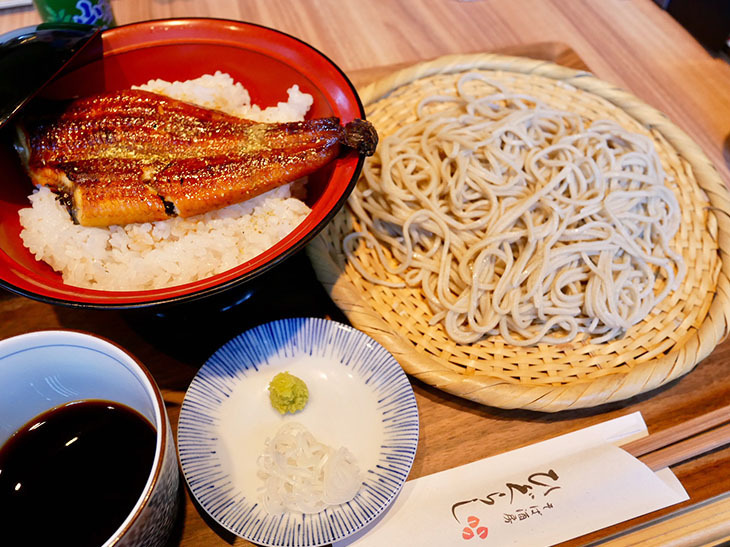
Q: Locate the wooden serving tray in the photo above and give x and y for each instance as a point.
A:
(546, 51)
(173, 343)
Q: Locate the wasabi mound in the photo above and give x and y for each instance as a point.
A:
(288, 393)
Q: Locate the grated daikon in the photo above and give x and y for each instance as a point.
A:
(304, 475)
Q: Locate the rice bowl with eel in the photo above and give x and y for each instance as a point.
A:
(149, 255)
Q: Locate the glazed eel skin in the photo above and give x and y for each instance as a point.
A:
(135, 156)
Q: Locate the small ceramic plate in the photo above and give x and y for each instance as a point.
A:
(359, 398)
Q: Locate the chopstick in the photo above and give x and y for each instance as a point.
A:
(683, 441)
(689, 448)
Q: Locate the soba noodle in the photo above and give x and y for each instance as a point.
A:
(518, 219)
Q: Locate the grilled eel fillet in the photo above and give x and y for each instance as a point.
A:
(135, 156)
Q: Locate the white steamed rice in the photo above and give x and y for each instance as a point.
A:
(179, 250)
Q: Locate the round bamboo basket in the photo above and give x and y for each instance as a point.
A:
(679, 332)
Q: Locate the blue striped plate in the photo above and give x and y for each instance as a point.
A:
(359, 398)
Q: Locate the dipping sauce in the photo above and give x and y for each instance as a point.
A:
(74, 473)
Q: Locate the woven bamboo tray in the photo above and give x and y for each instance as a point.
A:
(678, 334)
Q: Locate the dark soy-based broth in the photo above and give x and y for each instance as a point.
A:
(72, 474)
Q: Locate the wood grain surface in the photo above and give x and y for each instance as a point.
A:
(628, 42)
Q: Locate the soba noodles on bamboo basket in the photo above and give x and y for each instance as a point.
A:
(528, 234)
(518, 219)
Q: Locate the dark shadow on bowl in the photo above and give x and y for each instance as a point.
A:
(192, 331)
(50, 49)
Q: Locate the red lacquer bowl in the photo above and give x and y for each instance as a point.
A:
(267, 62)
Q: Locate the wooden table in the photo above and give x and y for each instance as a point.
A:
(629, 42)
